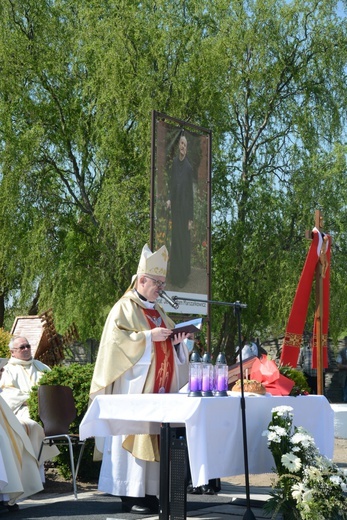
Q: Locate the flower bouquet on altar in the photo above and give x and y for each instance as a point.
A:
(309, 486)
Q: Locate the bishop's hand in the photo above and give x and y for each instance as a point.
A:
(160, 334)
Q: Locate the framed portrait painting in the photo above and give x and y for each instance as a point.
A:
(181, 209)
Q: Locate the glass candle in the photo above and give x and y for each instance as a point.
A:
(221, 376)
(207, 379)
(221, 383)
(205, 383)
(195, 378)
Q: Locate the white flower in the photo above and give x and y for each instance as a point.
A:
(335, 479)
(302, 494)
(302, 438)
(275, 434)
(273, 437)
(313, 474)
(282, 410)
(278, 430)
(298, 491)
(312, 480)
(291, 462)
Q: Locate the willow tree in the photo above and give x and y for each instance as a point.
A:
(77, 86)
(47, 151)
(280, 105)
(81, 80)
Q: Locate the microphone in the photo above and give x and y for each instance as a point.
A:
(171, 301)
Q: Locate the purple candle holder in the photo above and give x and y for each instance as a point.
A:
(207, 379)
(221, 377)
(195, 379)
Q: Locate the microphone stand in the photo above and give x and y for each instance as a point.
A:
(237, 311)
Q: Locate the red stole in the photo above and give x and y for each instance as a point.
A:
(297, 318)
(164, 360)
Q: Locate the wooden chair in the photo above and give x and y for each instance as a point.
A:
(57, 411)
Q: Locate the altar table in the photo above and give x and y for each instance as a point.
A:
(213, 426)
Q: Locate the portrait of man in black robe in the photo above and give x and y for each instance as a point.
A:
(180, 206)
(181, 203)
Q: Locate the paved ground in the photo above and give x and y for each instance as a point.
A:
(57, 501)
(92, 505)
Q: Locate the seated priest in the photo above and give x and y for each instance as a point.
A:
(19, 472)
(20, 374)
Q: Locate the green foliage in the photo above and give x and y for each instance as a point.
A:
(4, 341)
(300, 386)
(79, 81)
(78, 377)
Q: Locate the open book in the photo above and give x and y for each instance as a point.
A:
(192, 326)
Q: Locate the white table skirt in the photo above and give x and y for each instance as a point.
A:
(213, 426)
(340, 420)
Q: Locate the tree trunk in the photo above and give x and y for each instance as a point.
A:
(2, 309)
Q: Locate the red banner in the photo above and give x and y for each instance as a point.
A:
(319, 252)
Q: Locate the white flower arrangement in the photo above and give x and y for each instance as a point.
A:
(309, 486)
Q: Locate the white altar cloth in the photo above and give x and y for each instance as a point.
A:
(213, 426)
